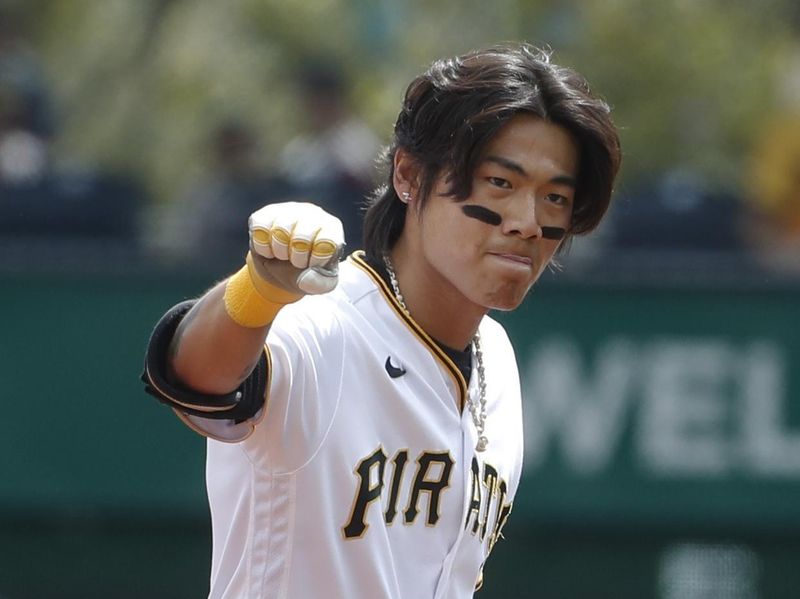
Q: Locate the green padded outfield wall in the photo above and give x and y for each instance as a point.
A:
(662, 458)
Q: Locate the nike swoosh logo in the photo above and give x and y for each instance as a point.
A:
(393, 370)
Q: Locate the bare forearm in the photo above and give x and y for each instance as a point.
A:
(210, 353)
(294, 251)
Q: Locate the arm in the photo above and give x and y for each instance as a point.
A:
(294, 250)
(210, 352)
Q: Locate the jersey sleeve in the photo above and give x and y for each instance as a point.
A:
(230, 417)
(307, 352)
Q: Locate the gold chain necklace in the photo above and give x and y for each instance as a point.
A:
(477, 408)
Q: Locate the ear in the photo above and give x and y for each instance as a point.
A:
(406, 176)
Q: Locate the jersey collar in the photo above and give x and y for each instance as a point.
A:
(359, 259)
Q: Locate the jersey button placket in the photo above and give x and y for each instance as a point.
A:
(466, 453)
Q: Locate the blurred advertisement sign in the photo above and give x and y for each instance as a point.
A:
(671, 407)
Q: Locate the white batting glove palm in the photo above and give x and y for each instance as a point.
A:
(295, 236)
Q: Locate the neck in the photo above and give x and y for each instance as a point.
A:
(434, 303)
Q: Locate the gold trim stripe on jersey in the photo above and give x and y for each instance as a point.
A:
(455, 373)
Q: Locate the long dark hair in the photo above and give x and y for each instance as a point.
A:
(452, 111)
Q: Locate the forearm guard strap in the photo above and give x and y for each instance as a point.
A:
(239, 405)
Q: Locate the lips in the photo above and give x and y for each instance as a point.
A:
(520, 259)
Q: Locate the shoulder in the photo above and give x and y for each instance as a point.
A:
(313, 317)
(498, 354)
(357, 278)
(494, 335)
(326, 315)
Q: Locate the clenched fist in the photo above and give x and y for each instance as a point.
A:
(295, 236)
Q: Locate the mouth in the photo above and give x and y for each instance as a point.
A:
(515, 260)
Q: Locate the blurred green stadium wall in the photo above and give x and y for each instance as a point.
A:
(663, 445)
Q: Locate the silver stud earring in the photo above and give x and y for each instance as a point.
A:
(406, 197)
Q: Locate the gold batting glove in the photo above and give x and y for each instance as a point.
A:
(295, 250)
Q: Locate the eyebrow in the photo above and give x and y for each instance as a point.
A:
(517, 168)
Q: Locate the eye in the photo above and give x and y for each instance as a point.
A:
(499, 182)
(558, 199)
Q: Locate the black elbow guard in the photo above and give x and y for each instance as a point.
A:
(239, 405)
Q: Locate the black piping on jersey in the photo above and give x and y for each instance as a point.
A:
(252, 423)
(169, 322)
(239, 405)
(358, 258)
(173, 399)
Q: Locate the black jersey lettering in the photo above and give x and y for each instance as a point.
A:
(503, 510)
(366, 493)
(399, 464)
(475, 496)
(490, 479)
(487, 495)
(434, 488)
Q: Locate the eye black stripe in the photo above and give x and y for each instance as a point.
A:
(556, 233)
(490, 217)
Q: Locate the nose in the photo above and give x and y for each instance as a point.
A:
(521, 219)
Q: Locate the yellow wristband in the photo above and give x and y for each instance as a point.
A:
(251, 301)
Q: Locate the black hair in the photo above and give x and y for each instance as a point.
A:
(452, 111)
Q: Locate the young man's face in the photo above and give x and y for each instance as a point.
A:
(527, 177)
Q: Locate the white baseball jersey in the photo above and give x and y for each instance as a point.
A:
(361, 479)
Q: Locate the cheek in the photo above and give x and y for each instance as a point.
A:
(453, 247)
(453, 236)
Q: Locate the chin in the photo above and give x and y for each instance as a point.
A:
(505, 299)
(506, 307)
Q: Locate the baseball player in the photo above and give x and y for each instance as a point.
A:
(363, 417)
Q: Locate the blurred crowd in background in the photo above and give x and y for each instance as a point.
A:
(160, 126)
(136, 136)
